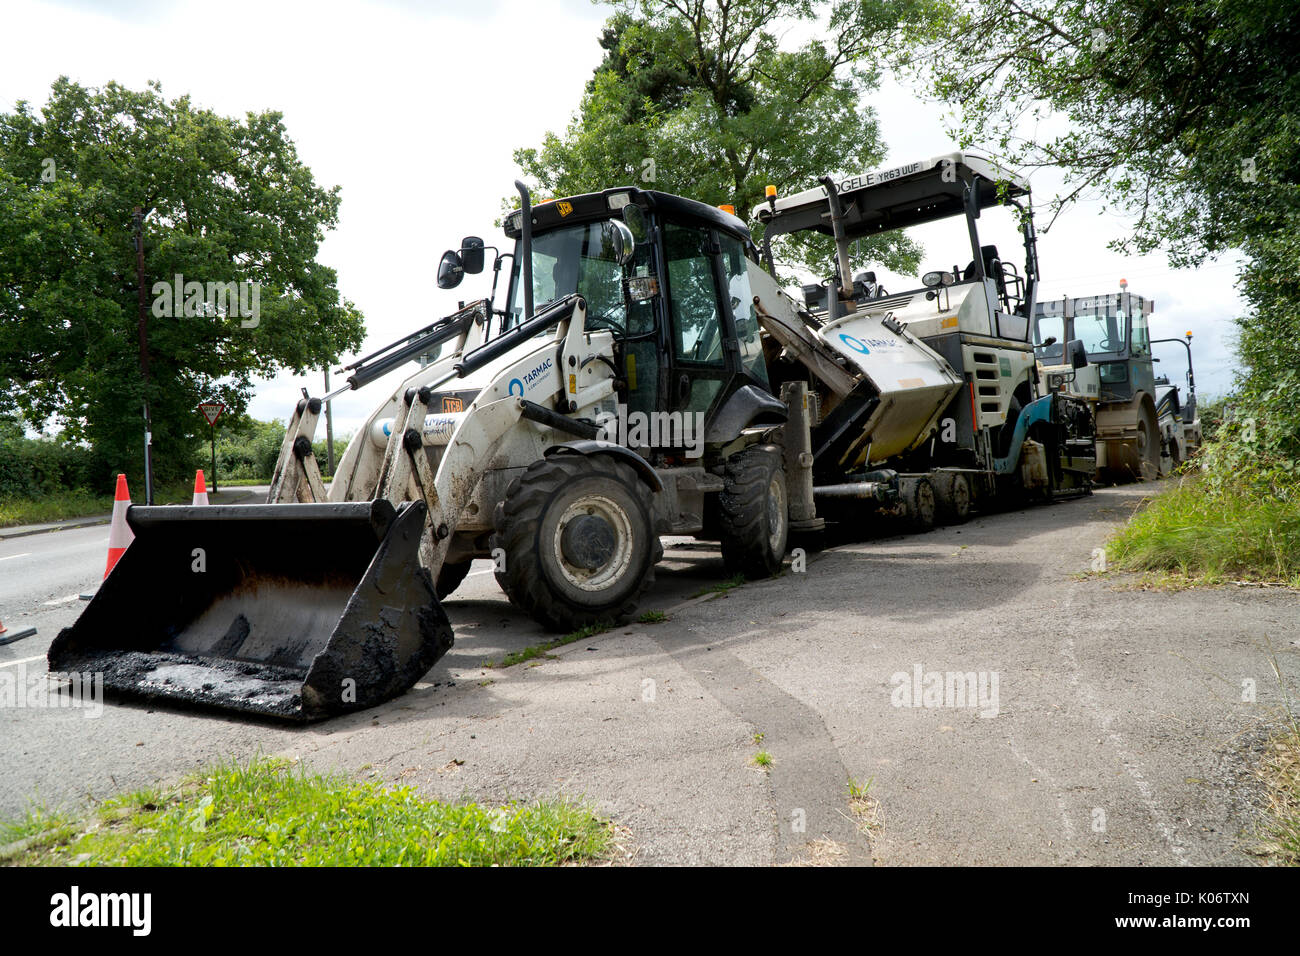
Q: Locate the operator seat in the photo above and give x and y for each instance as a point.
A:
(866, 287)
(565, 276)
(992, 269)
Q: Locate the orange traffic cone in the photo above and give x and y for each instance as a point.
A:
(200, 489)
(119, 534)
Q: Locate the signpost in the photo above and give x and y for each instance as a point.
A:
(211, 410)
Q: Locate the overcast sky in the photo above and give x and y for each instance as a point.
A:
(414, 108)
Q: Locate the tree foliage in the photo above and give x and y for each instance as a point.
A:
(1185, 115)
(704, 99)
(225, 200)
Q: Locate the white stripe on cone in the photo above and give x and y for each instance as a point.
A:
(200, 489)
(119, 533)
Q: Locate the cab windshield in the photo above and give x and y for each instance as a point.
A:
(570, 259)
(1102, 330)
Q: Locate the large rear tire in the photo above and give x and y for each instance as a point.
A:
(952, 497)
(579, 541)
(1147, 446)
(919, 506)
(754, 513)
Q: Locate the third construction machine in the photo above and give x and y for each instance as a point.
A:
(643, 375)
(1098, 348)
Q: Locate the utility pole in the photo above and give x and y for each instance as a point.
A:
(329, 425)
(142, 329)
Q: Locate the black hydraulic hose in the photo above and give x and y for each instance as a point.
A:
(442, 333)
(550, 316)
(544, 416)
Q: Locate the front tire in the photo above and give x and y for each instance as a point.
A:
(579, 541)
(754, 513)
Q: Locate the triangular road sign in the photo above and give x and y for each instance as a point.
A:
(211, 411)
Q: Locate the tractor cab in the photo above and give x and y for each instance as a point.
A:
(1113, 330)
(1098, 348)
(668, 277)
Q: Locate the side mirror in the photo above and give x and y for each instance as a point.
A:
(635, 219)
(1078, 354)
(471, 255)
(450, 270)
(617, 242)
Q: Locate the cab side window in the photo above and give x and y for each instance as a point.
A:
(692, 297)
(735, 267)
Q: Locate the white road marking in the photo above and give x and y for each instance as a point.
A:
(10, 557)
(23, 660)
(62, 600)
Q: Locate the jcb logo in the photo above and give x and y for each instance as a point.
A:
(452, 404)
(564, 207)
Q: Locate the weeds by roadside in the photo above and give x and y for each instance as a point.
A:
(542, 650)
(722, 587)
(1280, 773)
(864, 807)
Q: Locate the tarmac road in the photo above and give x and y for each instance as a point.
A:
(1106, 725)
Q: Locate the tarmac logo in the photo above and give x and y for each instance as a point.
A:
(952, 689)
(74, 909)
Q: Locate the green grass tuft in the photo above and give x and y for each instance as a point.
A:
(735, 581)
(541, 650)
(1209, 538)
(652, 617)
(268, 813)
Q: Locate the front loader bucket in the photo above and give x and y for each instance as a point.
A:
(297, 611)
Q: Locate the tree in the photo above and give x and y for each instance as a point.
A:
(228, 208)
(1184, 114)
(701, 98)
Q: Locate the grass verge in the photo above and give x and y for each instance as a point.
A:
(1281, 775)
(1210, 538)
(269, 813)
(80, 504)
